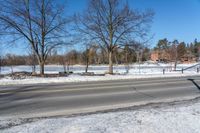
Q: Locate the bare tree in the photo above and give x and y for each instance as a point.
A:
(62, 61)
(174, 53)
(32, 60)
(89, 55)
(40, 22)
(11, 61)
(111, 23)
(136, 47)
(72, 58)
(86, 58)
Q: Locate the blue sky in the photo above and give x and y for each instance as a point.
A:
(174, 19)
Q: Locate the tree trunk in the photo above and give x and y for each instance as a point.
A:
(68, 67)
(110, 62)
(175, 65)
(87, 64)
(64, 68)
(12, 69)
(33, 69)
(42, 69)
(86, 69)
(34, 63)
(127, 63)
(176, 59)
(116, 60)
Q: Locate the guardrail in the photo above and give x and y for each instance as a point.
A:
(190, 67)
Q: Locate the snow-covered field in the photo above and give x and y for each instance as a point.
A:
(146, 70)
(180, 117)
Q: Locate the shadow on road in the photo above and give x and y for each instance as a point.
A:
(193, 81)
(17, 95)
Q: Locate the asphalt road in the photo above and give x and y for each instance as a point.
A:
(64, 99)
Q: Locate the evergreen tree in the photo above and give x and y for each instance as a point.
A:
(181, 50)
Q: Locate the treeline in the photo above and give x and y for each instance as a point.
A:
(172, 52)
(92, 55)
(176, 50)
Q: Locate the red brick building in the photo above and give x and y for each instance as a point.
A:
(160, 56)
(157, 55)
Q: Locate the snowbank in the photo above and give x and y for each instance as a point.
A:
(171, 118)
(136, 72)
(134, 68)
(77, 78)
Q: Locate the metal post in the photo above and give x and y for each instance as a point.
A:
(182, 70)
(163, 71)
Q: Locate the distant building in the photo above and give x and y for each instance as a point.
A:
(163, 56)
(154, 56)
(159, 56)
(188, 58)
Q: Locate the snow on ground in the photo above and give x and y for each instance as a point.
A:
(137, 71)
(77, 78)
(134, 68)
(157, 118)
